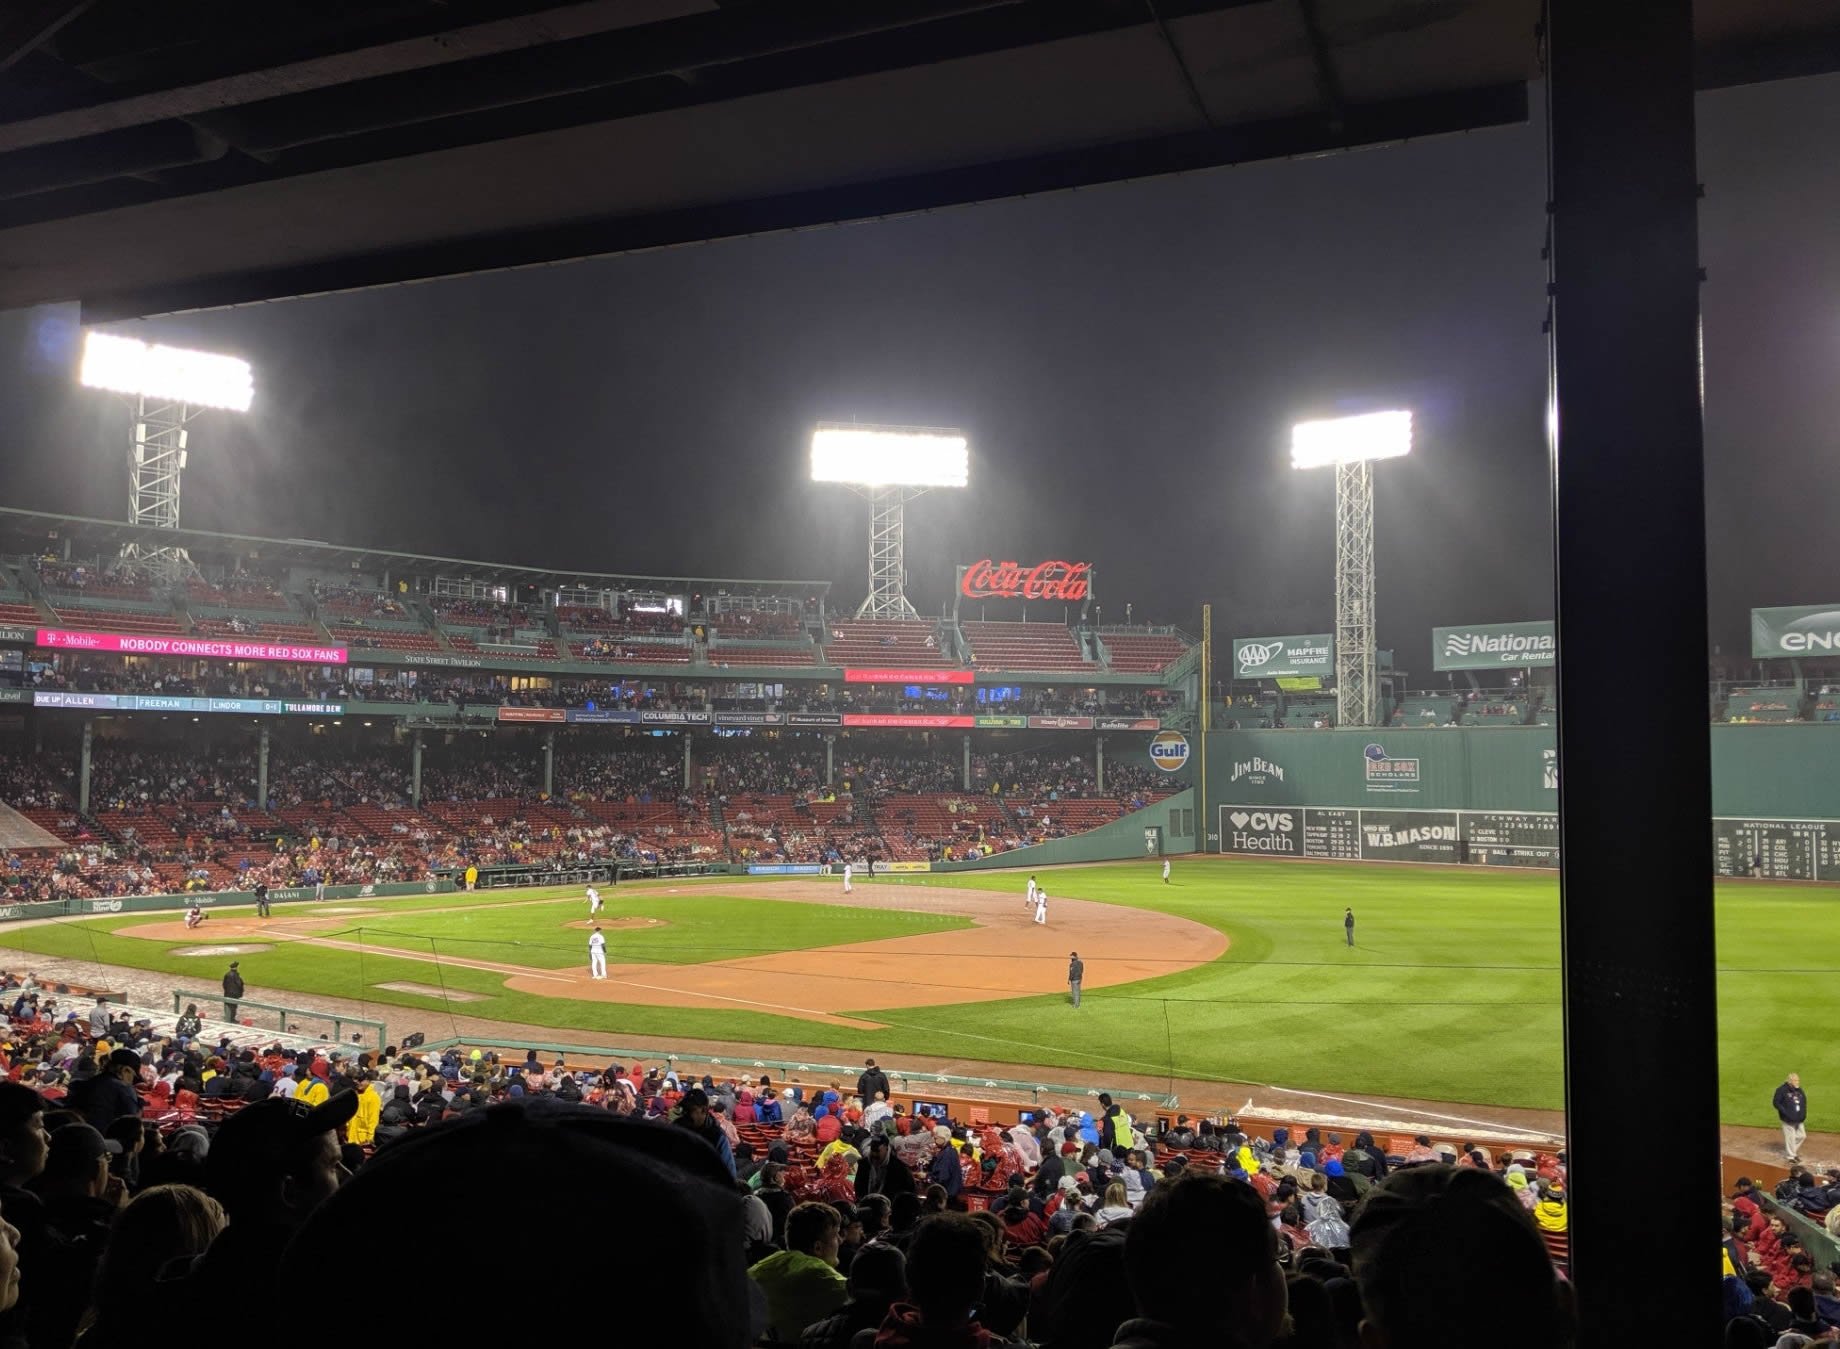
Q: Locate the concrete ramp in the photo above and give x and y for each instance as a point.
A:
(17, 832)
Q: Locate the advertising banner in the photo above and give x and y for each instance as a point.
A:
(1487, 646)
(17, 636)
(813, 719)
(1060, 723)
(1409, 835)
(1002, 723)
(524, 714)
(421, 658)
(1269, 657)
(604, 716)
(209, 648)
(894, 721)
(154, 702)
(749, 719)
(1381, 772)
(902, 868)
(1169, 750)
(658, 716)
(891, 676)
(784, 869)
(987, 580)
(15, 695)
(1795, 630)
(1126, 724)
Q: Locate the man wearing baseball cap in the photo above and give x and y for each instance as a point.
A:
(110, 1094)
(271, 1164)
(81, 1200)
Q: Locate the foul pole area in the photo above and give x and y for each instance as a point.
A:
(1207, 699)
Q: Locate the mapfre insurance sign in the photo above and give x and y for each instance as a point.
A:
(988, 580)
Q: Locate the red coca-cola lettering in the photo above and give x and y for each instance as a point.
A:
(987, 580)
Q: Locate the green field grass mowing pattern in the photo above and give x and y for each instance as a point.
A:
(1450, 993)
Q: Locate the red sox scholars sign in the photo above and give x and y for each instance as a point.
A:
(988, 580)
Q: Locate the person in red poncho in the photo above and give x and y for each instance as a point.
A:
(945, 1281)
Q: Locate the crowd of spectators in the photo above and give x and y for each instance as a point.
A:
(144, 1168)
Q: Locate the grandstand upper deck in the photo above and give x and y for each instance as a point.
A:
(907, 643)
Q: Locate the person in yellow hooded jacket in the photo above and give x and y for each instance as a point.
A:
(1549, 1213)
(362, 1129)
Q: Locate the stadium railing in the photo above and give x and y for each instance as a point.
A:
(284, 1013)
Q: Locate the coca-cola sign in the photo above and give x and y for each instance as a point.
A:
(987, 580)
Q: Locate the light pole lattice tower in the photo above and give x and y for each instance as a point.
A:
(1355, 685)
(1352, 444)
(890, 465)
(156, 469)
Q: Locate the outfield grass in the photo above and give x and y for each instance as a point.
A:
(1451, 992)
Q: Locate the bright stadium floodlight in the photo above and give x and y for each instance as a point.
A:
(1348, 440)
(890, 465)
(198, 378)
(166, 387)
(1352, 444)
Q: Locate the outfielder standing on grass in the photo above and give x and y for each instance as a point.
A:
(1076, 971)
(1165, 871)
(1348, 925)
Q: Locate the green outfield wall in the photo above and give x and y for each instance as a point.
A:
(1489, 796)
(1166, 827)
(210, 899)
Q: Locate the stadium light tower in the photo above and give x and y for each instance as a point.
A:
(166, 387)
(1352, 444)
(890, 465)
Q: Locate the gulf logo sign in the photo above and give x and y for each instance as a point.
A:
(1169, 750)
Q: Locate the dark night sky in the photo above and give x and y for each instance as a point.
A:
(1126, 359)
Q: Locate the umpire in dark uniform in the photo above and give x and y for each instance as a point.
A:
(1076, 971)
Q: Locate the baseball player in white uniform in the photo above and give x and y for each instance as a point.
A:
(597, 955)
(1165, 871)
(1030, 901)
(594, 901)
(1041, 905)
(848, 872)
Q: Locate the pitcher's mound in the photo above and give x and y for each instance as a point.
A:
(613, 924)
(228, 949)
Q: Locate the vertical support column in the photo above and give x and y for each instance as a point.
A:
(1641, 1018)
(830, 761)
(549, 763)
(262, 767)
(1099, 764)
(687, 739)
(415, 770)
(966, 783)
(89, 731)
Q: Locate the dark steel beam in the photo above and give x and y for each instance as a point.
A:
(31, 25)
(1641, 1024)
(1370, 124)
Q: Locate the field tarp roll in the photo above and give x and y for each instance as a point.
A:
(1119, 840)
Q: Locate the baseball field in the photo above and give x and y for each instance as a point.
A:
(1234, 971)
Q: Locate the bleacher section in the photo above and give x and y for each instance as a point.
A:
(631, 652)
(914, 826)
(151, 622)
(1306, 714)
(1146, 653)
(891, 642)
(295, 629)
(1024, 646)
(379, 637)
(1765, 703)
(1418, 709)
(469, 643)
(760, 653)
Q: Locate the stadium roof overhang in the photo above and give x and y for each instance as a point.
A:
(35, 532)
(159, 158)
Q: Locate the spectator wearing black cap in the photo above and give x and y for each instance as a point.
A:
(877, 1280)
(81, 1200)
(881, 1172)
(684, 1252)
(693, 1116)
(110, 1094)
(270, 1165)
(1202, 1261)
